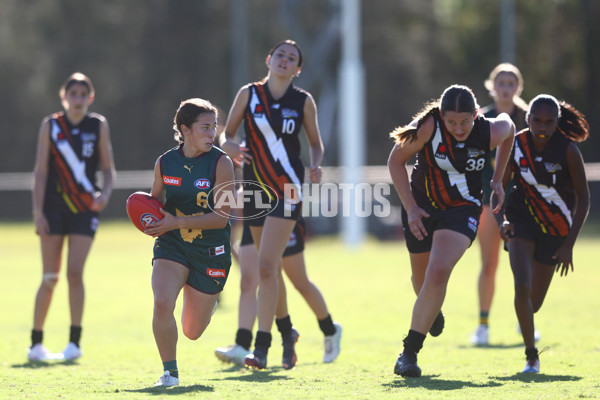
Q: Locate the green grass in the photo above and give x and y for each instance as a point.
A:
(367, 289)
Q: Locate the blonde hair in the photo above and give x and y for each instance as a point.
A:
(76, 78)
(507, 68)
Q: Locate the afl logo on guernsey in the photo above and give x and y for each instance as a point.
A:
(202, 183)
(171, 180)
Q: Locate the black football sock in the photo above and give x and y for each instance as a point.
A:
(36, 337)
(75, 335)
(243, 338)
(284, 325)
(326, 326)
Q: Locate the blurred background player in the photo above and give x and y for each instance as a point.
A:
(505, 85)
(72, 146)
(546, 208)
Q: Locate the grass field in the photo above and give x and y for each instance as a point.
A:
(367, 289)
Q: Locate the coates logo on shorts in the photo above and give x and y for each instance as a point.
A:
(148, 218)
(216, 273)
(246, 199)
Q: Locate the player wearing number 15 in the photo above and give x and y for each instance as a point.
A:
(442, 201)
(192, 249)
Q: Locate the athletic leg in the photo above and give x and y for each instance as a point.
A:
(540, 282)
(197, 310)
(248, 284)
(79, 248)
(295, 268)
(448, 247)
(489, 243)
(272, 243)
(521, 257)
(51, 258)
(168, 278)
(418, 265)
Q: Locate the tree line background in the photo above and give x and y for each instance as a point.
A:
(145, 56)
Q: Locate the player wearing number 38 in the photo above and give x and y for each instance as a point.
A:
(442, 201)
(192, 250)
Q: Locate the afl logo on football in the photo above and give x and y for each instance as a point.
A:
(202, 183)
(148, 218)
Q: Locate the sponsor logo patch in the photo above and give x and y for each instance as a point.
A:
(552, 168)
(292, 241)
(171, 180)
(288, 113)
(472, 224)
(216, 273)
(475, 152)
(88, 137)
(523, 165)
(439, 153)
(202, 183)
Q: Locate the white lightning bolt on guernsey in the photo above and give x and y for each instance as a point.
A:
(456, 178)
(274, 144)
(75, 164)
(548, 192)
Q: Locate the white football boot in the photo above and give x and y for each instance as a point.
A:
(481, 336)
(332, 344)
(167, 380)
(40, 353)
(71, 352)
(235, 354)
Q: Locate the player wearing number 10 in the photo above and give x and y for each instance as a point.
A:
(442, 201)
(192, 251)
(273, 112)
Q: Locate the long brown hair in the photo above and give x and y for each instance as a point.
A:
(458, 98)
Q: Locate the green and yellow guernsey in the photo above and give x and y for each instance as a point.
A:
(188, 185)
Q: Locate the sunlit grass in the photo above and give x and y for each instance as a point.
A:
(367, 289)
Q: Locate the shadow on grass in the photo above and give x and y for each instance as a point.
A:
(492, 346)
(44, 364)
(431, 382)
(172, 391)
(263, 376)
(532, 378)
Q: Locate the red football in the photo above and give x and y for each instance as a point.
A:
(143, 208)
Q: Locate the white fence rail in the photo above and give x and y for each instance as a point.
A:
(142, 179)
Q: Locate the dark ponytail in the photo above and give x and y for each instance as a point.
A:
(458, 98)
(571, 122)
(408, 133)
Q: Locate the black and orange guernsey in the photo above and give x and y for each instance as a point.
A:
(447, 172)
(272, 137)
(543, 187)
(74, 159)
